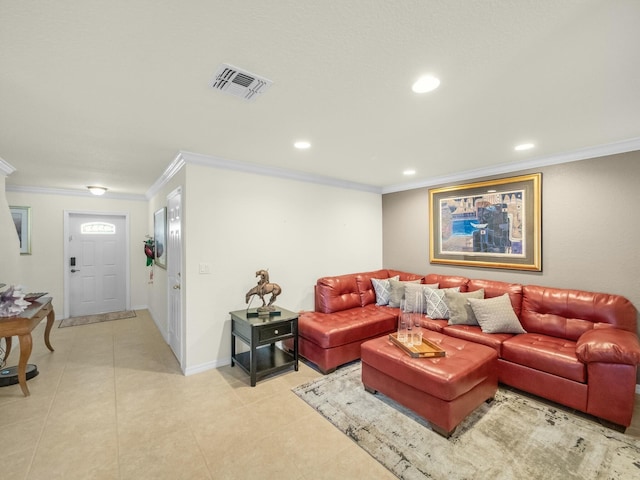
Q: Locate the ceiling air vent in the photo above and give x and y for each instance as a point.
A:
(239, 83)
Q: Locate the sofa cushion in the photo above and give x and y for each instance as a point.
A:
(435, 324)
(493, 288)
(548, 354)
(397, 291)
(347, 326)
(382, 288)
(334, 294)
(447, 281)
(570, 313)
(474, 333)
(496, 315)
(436, 304)
(460, 312)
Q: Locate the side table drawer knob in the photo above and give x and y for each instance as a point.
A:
(276, 332)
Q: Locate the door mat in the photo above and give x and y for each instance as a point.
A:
(101, 317)
(515, 437)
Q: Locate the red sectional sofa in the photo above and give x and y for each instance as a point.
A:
(580, 348)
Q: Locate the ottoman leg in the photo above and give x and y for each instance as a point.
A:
(442, 431)
(370, 390)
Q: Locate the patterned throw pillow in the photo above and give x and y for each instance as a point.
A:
(460, 312)
(436, 305)
(419, 304)
(383, 289)
(496, 315)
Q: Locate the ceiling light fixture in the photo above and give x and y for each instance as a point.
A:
(524, 146)
(97, 190)
(409, 172)
(302, 145)
(425, 84)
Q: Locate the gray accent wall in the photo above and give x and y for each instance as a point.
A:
(590, 229)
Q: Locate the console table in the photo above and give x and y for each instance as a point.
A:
(260, 333)
(22, 326)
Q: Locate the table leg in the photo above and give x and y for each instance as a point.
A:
(26, 344)
(7, 350)
(50, 319)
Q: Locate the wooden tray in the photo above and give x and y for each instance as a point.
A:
(427, 349)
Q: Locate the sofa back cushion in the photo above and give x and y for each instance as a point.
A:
(566, 313)
(341, 292)
(447, 281)
(334, 294)
(493, 289)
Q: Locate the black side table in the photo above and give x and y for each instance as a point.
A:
(260, 333)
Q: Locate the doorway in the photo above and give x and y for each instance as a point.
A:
(96, 263)
(174, 274)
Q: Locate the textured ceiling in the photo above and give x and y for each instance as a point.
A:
(109, 92)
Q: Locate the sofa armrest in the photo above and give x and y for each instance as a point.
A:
(608, 345)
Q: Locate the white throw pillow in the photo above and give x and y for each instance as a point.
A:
(383, 289)
(435, 303)
(496, 315)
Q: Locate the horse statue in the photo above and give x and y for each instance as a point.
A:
(263, 288)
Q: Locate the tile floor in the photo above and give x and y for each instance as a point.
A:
(110, 403)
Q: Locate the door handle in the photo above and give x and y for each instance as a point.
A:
(73, 270)
(176, 287)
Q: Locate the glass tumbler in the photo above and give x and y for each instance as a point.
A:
(416, 320)
(403, 324)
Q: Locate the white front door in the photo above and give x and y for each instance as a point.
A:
(96, 263)
(175, 329)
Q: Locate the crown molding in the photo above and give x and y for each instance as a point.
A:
(72, 192)
(218, 162)
(6, 168)
(624, 146)
(174, 167)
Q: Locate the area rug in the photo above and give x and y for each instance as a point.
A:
(514, 437)
(101, 317)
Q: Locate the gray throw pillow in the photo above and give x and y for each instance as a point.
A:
(383, 289)
(411, 290)
(496, 315)
(460, 312)
(397, 291)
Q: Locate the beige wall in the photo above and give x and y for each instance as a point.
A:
(237, 223)
(590, 229)
(43, 270)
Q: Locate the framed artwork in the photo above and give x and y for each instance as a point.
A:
(22, 220)
(495, 224)
(160, 237)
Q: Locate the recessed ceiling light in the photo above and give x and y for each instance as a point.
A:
(425, 84)
(302, 145)
(409, 172)
(524, 146)
(97, 190)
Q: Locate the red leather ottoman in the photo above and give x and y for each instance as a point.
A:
(443, 390)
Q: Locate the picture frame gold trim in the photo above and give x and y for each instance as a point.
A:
(160, 237)
(22, 219)
(491, 224)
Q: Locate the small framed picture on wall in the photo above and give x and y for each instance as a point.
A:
(160, 237)
(22, 219)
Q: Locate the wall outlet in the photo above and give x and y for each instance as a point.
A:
(204, 268)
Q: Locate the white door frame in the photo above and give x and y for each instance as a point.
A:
(65, 255)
